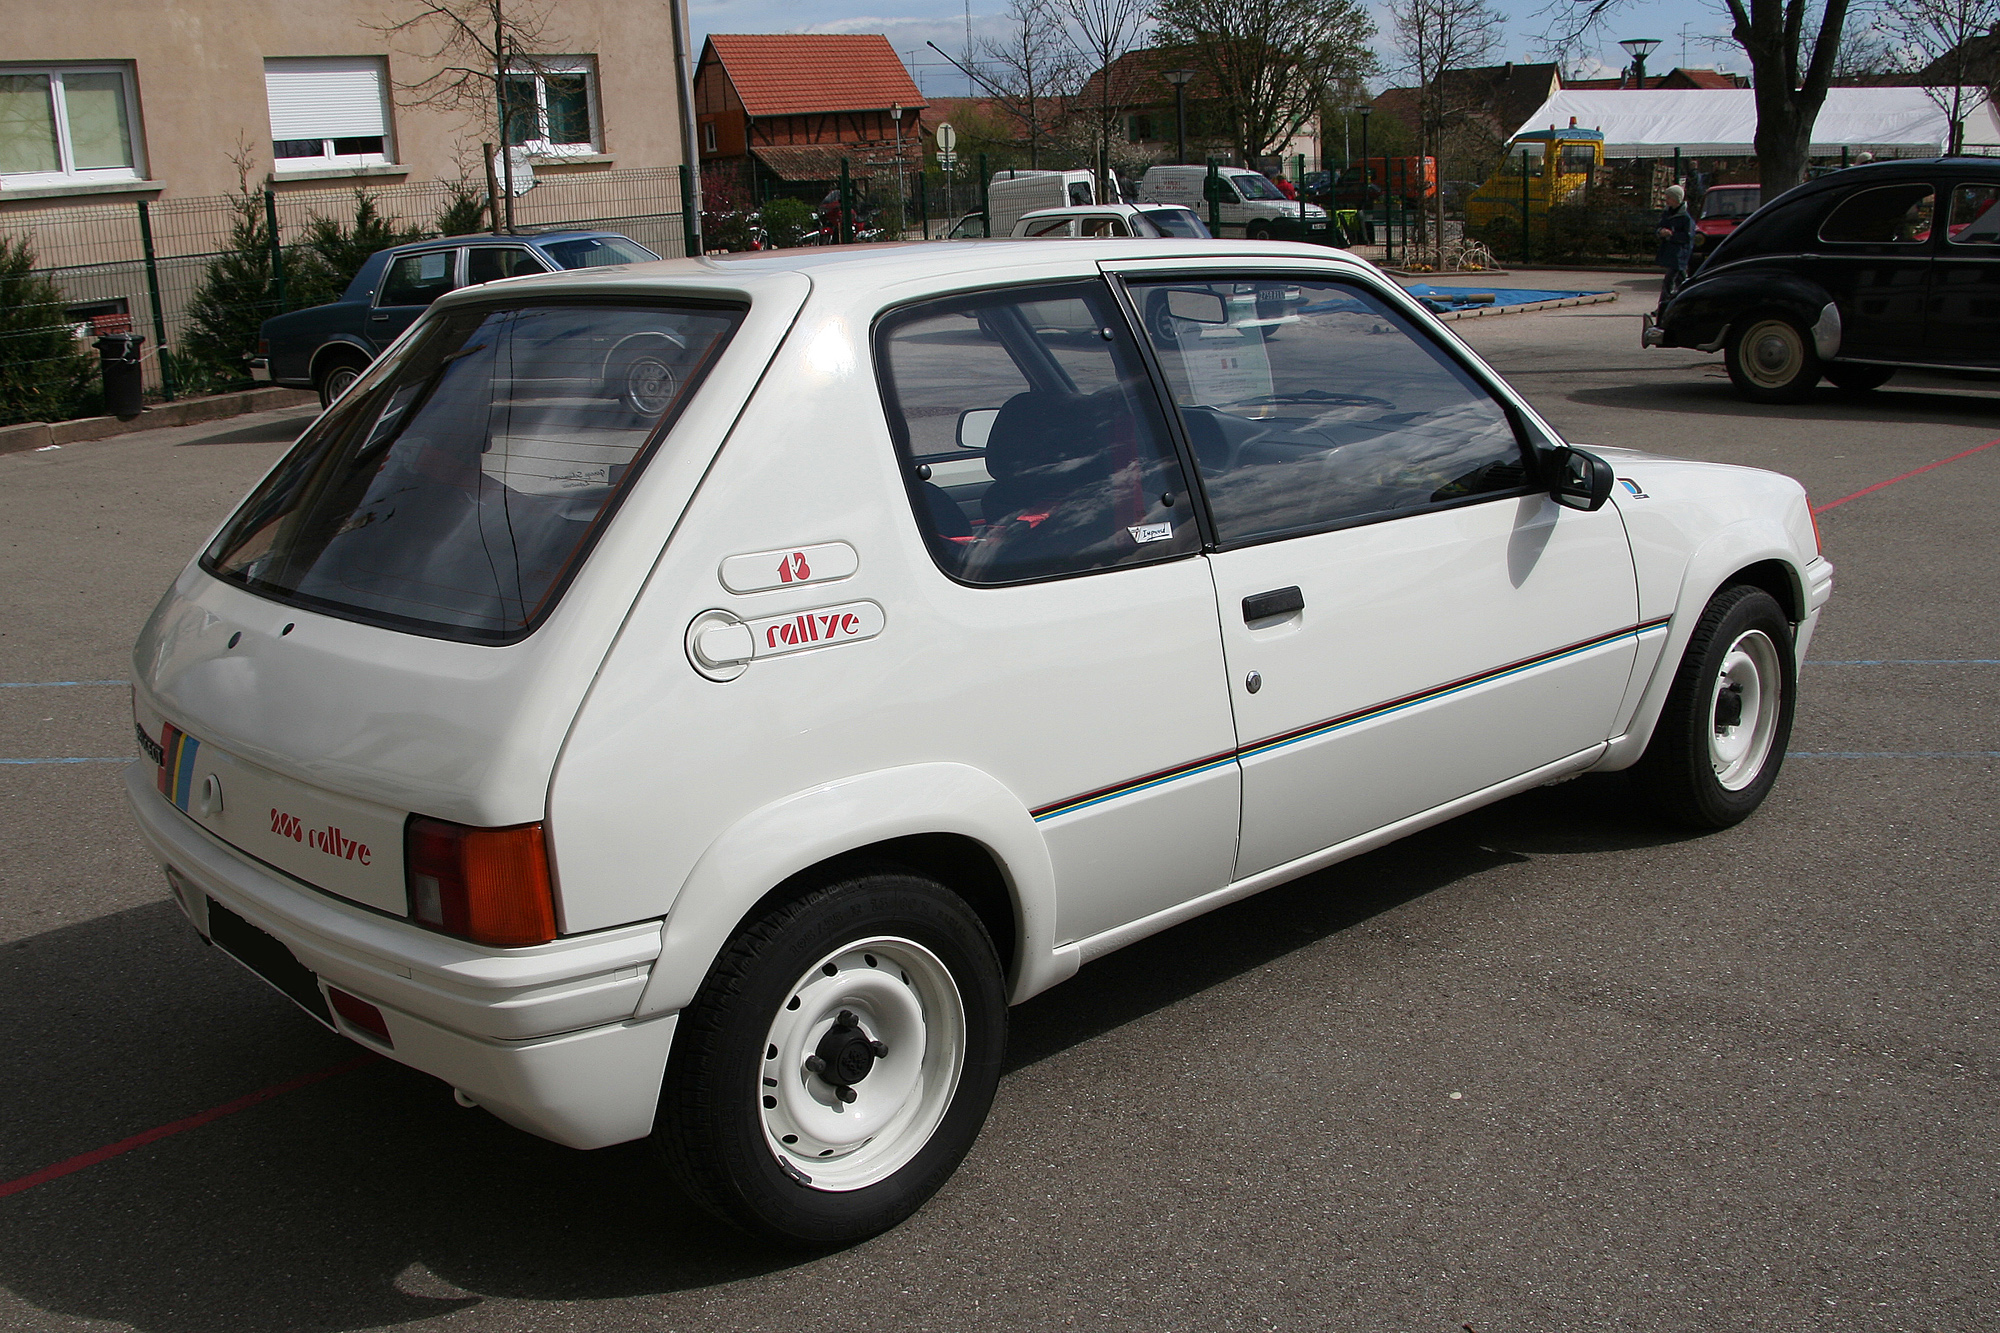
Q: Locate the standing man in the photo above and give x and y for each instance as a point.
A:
(1676, 232)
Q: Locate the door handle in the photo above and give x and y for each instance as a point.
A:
(1268, 605)
(378, 317)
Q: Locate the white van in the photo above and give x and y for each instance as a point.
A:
(1012, 193)
(1250, 203)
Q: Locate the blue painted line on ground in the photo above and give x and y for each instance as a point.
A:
(82, 760)
(1892, 754)
(1913, 661)
(54, 684)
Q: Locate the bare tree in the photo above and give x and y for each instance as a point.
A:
(1791, 45)
(1271, 62)
(1102, 32)
(479, 50)
(1436, 38)
(1032, 68)
(1954, 45)
(1865, 51)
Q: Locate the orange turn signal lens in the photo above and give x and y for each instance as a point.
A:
(486, 885)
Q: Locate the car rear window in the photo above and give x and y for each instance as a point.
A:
(597, 252)
(454, 492)
(1176, 222)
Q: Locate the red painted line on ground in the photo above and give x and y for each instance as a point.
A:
(158, 1132)
(1913, 472)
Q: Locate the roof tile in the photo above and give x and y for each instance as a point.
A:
(797, 74)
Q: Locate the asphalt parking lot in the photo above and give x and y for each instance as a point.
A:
(1546, 1067)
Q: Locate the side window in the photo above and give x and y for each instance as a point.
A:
(418, 279)
(1314, 404)
(1885, 215)
(1049, 227)
(1975, 215)
(484, 263)
(1030, 436)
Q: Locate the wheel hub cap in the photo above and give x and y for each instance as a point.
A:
(845, 1055)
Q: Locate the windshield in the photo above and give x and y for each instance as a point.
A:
(1177, 222)
(1720, 203)
(597, 251)
(456, 491)
(1252, 186)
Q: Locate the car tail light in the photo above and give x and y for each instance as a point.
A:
(487, 885)
(361, 1014)
(263, 347)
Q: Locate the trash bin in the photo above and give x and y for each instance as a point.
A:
(119, 356)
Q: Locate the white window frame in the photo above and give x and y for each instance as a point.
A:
(536, 67)
(65, 174)
(328, 160)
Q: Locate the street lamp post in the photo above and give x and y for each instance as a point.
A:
(1180, 79)
(902, 219)
(1639, 48)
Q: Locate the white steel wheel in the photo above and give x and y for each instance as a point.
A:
(1743, 710)
(861, 1062)
(1720, 739)
(838, 1061)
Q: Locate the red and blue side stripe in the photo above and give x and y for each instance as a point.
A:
(1273, 743)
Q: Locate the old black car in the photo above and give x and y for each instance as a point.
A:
(1850, 277)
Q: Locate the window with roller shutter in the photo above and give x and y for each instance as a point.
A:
(328, 112)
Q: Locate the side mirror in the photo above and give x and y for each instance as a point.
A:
(975, 425)
(1577, 480)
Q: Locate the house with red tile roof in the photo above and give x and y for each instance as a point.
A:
(784, 109)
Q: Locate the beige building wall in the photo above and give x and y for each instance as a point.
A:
(198, 67)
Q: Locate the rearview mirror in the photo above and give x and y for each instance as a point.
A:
(1578, 480)
(1196, 307)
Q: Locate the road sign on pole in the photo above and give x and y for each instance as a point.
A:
(946, 137)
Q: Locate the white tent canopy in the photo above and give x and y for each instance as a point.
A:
(1722, 122)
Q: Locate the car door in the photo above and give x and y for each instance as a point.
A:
(1073, 600)
(1875, 260)
(1406, 616)
(1964, 317)
(409, 286)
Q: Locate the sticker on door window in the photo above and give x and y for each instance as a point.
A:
(1152, 532)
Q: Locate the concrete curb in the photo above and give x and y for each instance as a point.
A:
(185, 412)
(1487, 311)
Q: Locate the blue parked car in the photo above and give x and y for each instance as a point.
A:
(327, 347)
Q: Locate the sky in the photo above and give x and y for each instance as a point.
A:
(910, 23)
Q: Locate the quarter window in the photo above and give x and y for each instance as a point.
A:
(1030, 436)
(1313, 404)
(67, 124)
(419, 279)
(484, 263)
(1975, 215)
(551, 105)
(1885, 215)
(327, 113)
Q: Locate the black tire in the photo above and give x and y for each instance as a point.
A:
(747, 1041)
(336, 373)
(1258, 231)
(1772, 359)
(1851, 378)
(1708, 776)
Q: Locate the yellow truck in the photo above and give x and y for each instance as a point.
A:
(1559, 164)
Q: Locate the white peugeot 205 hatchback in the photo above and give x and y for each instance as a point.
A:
(718, 764)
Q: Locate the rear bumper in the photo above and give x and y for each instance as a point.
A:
(260, 369)
(543, 1037)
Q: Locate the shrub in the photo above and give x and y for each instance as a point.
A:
(46, 374)
(464, 211)
(788, 221)
(237, 294)
(318, 268)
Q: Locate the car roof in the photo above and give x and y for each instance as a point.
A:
(914, 266)
(1901, 169)
(1085, 210)
(517, 238)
